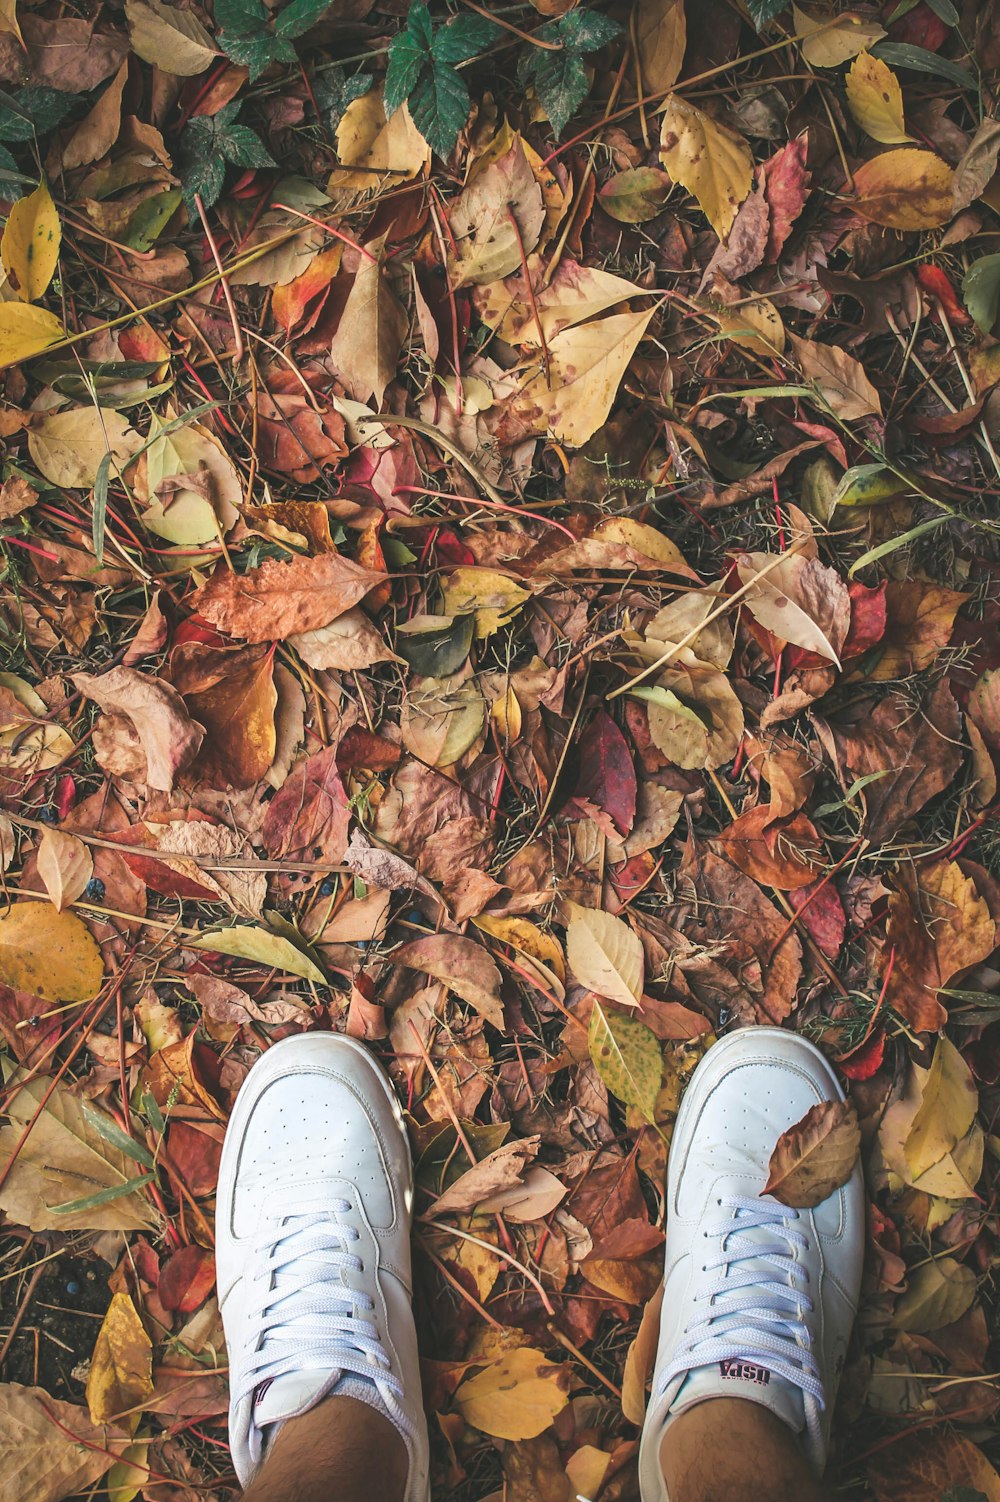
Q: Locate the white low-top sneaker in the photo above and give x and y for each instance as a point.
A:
(313, 1247)
(758, 1299)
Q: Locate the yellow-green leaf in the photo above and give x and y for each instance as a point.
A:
(26, 331)
(49, 954)
(711, 162)
(876, 100)
(29, 247)
(253, 943)
(940, 1292)
(626, 1054)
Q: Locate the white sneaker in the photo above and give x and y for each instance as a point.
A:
(758, 1300)
(313, 1248)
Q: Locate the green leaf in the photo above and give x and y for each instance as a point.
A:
(100, 517)
(626, 1054)
(335, 91)
(463, 38)
(297, 18)
(920, 60)
(439, 106)
(32, 110)
(560, 79)
(895, 543)
(256, 52)
(762, 11)
(945, 11)
(103, 1196)
(208, 144)
(981, 290)
(105, 1127)
(407, 60)
(241, 17)
(151, 219)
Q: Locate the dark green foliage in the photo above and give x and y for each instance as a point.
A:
(561, 79)
(422, 71)
(209, 144)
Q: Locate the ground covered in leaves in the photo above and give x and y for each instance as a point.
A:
(499, 558)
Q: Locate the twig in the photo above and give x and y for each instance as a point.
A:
(238, 348)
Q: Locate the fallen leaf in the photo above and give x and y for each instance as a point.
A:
(815, 1156)
(498, 1170)
(938, 926)
(635, 196)
(370, 334)
(276, 600)
(349, 644)
(933, 1465)
(627, 1056)
(840, 378)
(948, 1106)
(460, 964)
(68, 447)
(712, 163)
(65, 866)
(121, 1368)
(70, 1155)
(50, 1450)
(798, 600)
(906, 189)
(604, 955)
(786, 189)
(231, 692)
(170, 38)
(186, 1279)
(98, 131)
(170, 739)
(496, 220)
(29, 247)
(785, 854)
(309, 817)
(49, 953)
(250, 942)
(607, 774)
(939, 1293)
(876, 100)
(829, 41)
(516, 1397)
(661, 37)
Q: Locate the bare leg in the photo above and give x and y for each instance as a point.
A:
(732, 1450)
(341, 1449)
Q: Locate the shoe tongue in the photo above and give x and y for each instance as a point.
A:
(280, 1398)
(742, 1379)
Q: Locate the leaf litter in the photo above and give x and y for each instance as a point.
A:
(498, 528)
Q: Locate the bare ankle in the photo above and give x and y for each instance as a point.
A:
(737, 1449)
(343, 1448)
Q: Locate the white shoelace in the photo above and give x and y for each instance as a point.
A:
(747, 1314)
(311, 1311)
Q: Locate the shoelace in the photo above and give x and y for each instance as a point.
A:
(311, 1311)
(748, 1315)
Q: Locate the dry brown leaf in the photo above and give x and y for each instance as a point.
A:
(277, 600)
(50, 1450)
(169, 737)
(65, 866)
(938, 925)
(604, 955)
(462, 965)
(929, 1466)
(815, 1156)
(841, 379)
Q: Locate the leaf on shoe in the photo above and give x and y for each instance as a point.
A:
(815, 1156)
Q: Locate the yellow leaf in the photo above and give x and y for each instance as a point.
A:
(517, 1397)
(121, 1371)
(604, 955)
(627, 1056)
(29, 247)
(906, 189)
(8, 19)
(376, 146)
(68, 447)
(26, 331)
(169, 37)
(49, 954)
(129, 1475)
(506, 715)
(661, 37)
(586, 367)
(947, 1109)
(525, 936)
(711, 162)
(828, 41)
(494, 597)
(940, 1292)
(65, 866)
(876, 100)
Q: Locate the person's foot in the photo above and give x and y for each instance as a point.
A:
(313, 1248)
(758, 1300)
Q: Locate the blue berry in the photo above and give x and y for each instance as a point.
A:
(327, 887)
(72, 1288)
(48, 816)
(94, 891)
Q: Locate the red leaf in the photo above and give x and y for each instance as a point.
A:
(360, 748)
(786, 188)
(866, 1060)
(937, 284)
(187, 1279)
(607, 776)
(868, 618)
(309, 818)
(822, 916)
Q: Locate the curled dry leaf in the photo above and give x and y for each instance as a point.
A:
(169, 738)
(799, 600)
(815, 1156)
(938, 926)
(462, 965)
